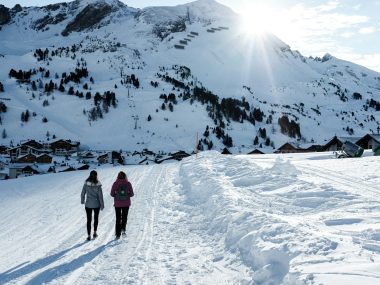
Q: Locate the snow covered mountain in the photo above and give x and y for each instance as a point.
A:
(116, 77)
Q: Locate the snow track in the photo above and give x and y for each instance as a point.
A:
(45, 242)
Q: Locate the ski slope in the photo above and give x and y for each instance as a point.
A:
(215, 219)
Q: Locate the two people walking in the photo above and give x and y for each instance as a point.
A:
(92, 197)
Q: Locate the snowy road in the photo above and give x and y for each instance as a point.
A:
(271, 219)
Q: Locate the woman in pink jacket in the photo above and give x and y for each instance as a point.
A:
(122, 192)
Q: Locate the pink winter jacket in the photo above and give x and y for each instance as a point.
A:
(115, 186)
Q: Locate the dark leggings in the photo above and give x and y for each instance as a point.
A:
(89, 218)
(121, 219)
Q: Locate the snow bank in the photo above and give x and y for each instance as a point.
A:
(266, 215)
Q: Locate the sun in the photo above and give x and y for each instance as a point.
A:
(257, 20)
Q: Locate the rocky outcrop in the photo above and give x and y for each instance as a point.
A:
(17, 8)
(5, 15)
(40, 24)
(89, 17)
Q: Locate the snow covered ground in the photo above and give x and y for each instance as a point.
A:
(263, 219)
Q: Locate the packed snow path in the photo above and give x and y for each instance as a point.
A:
(266, 219)
(43, 234)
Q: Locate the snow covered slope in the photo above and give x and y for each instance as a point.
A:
(267, 219)
(260, 78)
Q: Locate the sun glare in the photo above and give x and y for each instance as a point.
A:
(257, 20)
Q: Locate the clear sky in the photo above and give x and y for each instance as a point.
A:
(347, 29)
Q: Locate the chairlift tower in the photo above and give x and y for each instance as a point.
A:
(136, 118)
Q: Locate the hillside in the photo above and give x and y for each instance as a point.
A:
(272, 219)
(116, 77)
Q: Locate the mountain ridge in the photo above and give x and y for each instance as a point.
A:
(221, 78)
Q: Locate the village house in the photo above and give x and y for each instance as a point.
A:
(290, 148)
(3, 149)
(86, 157)
(34, 144)
(226, 151)
(369, 141)
(16, 152)
(336, 143)
(255, 151)
(64, 147)
(44, 158)
(110, 157)
(179, 155)
(22, 170)
(27, 158)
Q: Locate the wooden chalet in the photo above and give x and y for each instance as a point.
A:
(179, 155)
(147, 152)
(27, 158)
(314, 148)
(255, 151)
(3, 149)
(64, 147)
(226, 151)
(22, 170)
(110, 157)
(290, 148)
(22, 150)
(44, 158)
(336, 143)
(33, 144)
(369, 141)
(86, 156)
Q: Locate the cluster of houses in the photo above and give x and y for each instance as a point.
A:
(32, 157)
(368, 141)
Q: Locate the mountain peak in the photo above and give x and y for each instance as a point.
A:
(200, 10)
(327, 57)
(92, 13)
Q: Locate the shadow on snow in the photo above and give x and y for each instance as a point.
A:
(54, 272)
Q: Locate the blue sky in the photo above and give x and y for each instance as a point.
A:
(348, 29)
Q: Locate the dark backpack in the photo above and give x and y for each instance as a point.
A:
(122, 192)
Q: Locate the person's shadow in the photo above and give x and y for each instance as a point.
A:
(50, 273)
